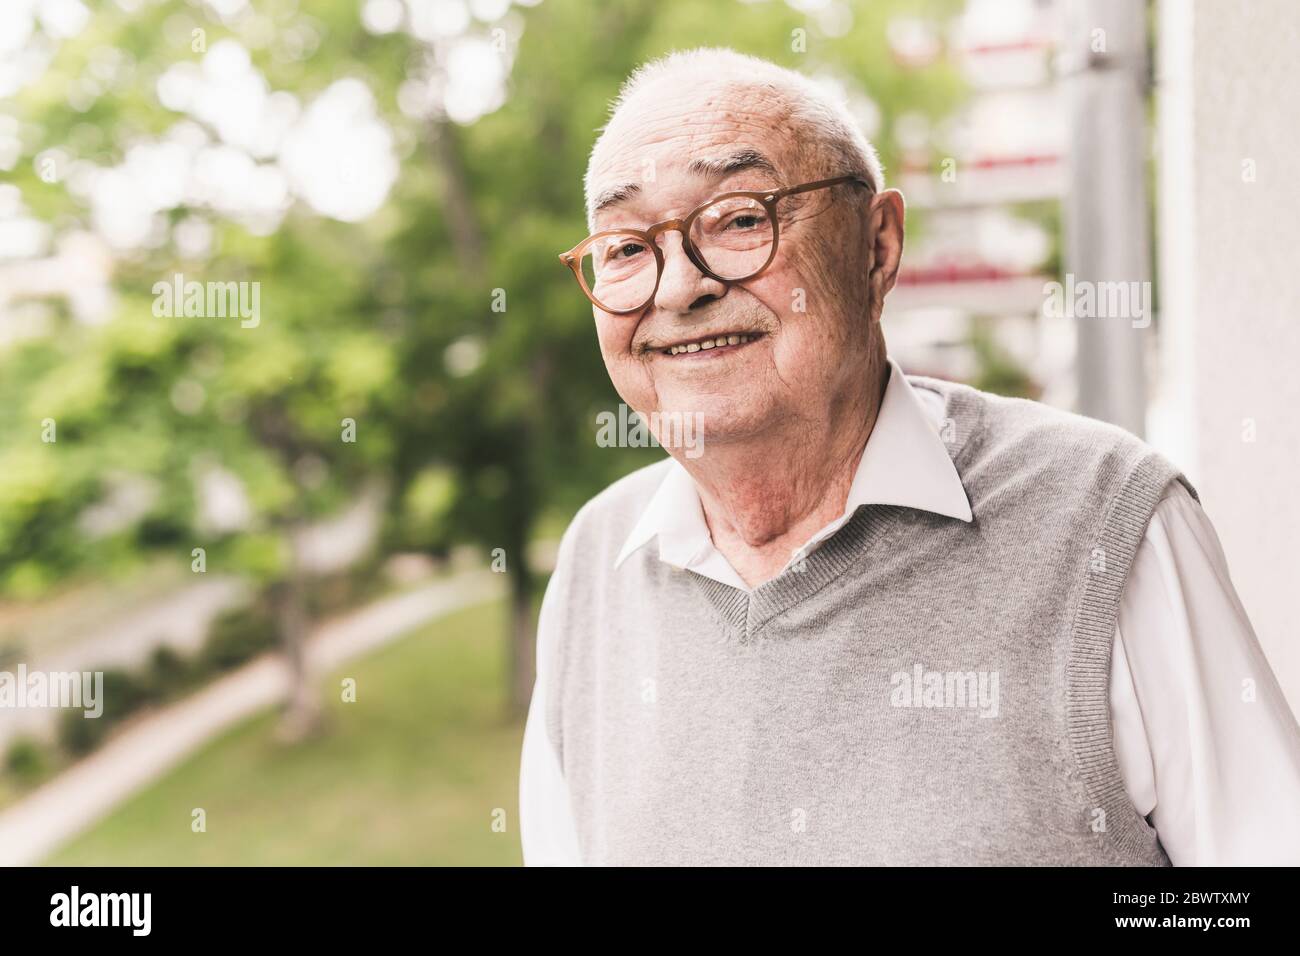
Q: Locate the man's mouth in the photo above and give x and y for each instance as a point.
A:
(724, 342)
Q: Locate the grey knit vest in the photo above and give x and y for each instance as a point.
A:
(921, 691)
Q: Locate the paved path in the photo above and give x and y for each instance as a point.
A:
(73, 801)
(179, 620)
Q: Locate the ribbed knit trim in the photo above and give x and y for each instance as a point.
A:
(1088, 671)
(746, 612)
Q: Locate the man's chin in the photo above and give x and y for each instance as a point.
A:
(708, 420)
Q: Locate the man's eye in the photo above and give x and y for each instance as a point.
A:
(625, 250)
(745, 221)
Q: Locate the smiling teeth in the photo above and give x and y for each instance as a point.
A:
(707, 344)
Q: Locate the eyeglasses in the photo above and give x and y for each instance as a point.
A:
(730, 238)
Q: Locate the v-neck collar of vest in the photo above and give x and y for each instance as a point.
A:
(747, 612)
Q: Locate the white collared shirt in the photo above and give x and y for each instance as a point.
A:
(1216, 774)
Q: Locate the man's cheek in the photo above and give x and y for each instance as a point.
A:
(797, 297)
(614, 343)
(798, 353)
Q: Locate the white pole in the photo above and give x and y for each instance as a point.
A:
(1106, 232)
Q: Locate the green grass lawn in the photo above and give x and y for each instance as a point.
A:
(409, 774)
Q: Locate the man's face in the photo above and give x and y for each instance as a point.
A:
(806, 316)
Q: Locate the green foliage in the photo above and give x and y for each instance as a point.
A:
(26, 760)
(237, 636)
(168, 674)
(123, 694)
(998, 372)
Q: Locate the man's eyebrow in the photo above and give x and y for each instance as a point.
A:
(613, 196)
(740, 160)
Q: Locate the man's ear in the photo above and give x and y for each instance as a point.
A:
(886, 231)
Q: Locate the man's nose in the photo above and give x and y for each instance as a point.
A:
(683, 287)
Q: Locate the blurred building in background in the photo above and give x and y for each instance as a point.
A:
(984, 189)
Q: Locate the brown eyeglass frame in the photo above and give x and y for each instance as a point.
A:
(767, 198)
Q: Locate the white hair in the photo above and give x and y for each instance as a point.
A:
(821, 116)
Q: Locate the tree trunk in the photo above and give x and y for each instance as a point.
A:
(301, 716)
(469, 247)
(466, 234)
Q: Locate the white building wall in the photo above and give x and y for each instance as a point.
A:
(1228, 84)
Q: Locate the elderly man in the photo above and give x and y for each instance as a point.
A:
(873, 619)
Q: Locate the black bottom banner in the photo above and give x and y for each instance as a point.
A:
(340, 905)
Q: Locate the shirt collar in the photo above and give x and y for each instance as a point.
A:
(904, 463)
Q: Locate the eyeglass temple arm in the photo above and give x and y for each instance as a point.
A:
(820, 184)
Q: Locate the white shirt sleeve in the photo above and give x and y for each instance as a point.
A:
(546, 828)
(1208, 748)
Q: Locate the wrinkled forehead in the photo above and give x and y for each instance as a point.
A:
(667, 134)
